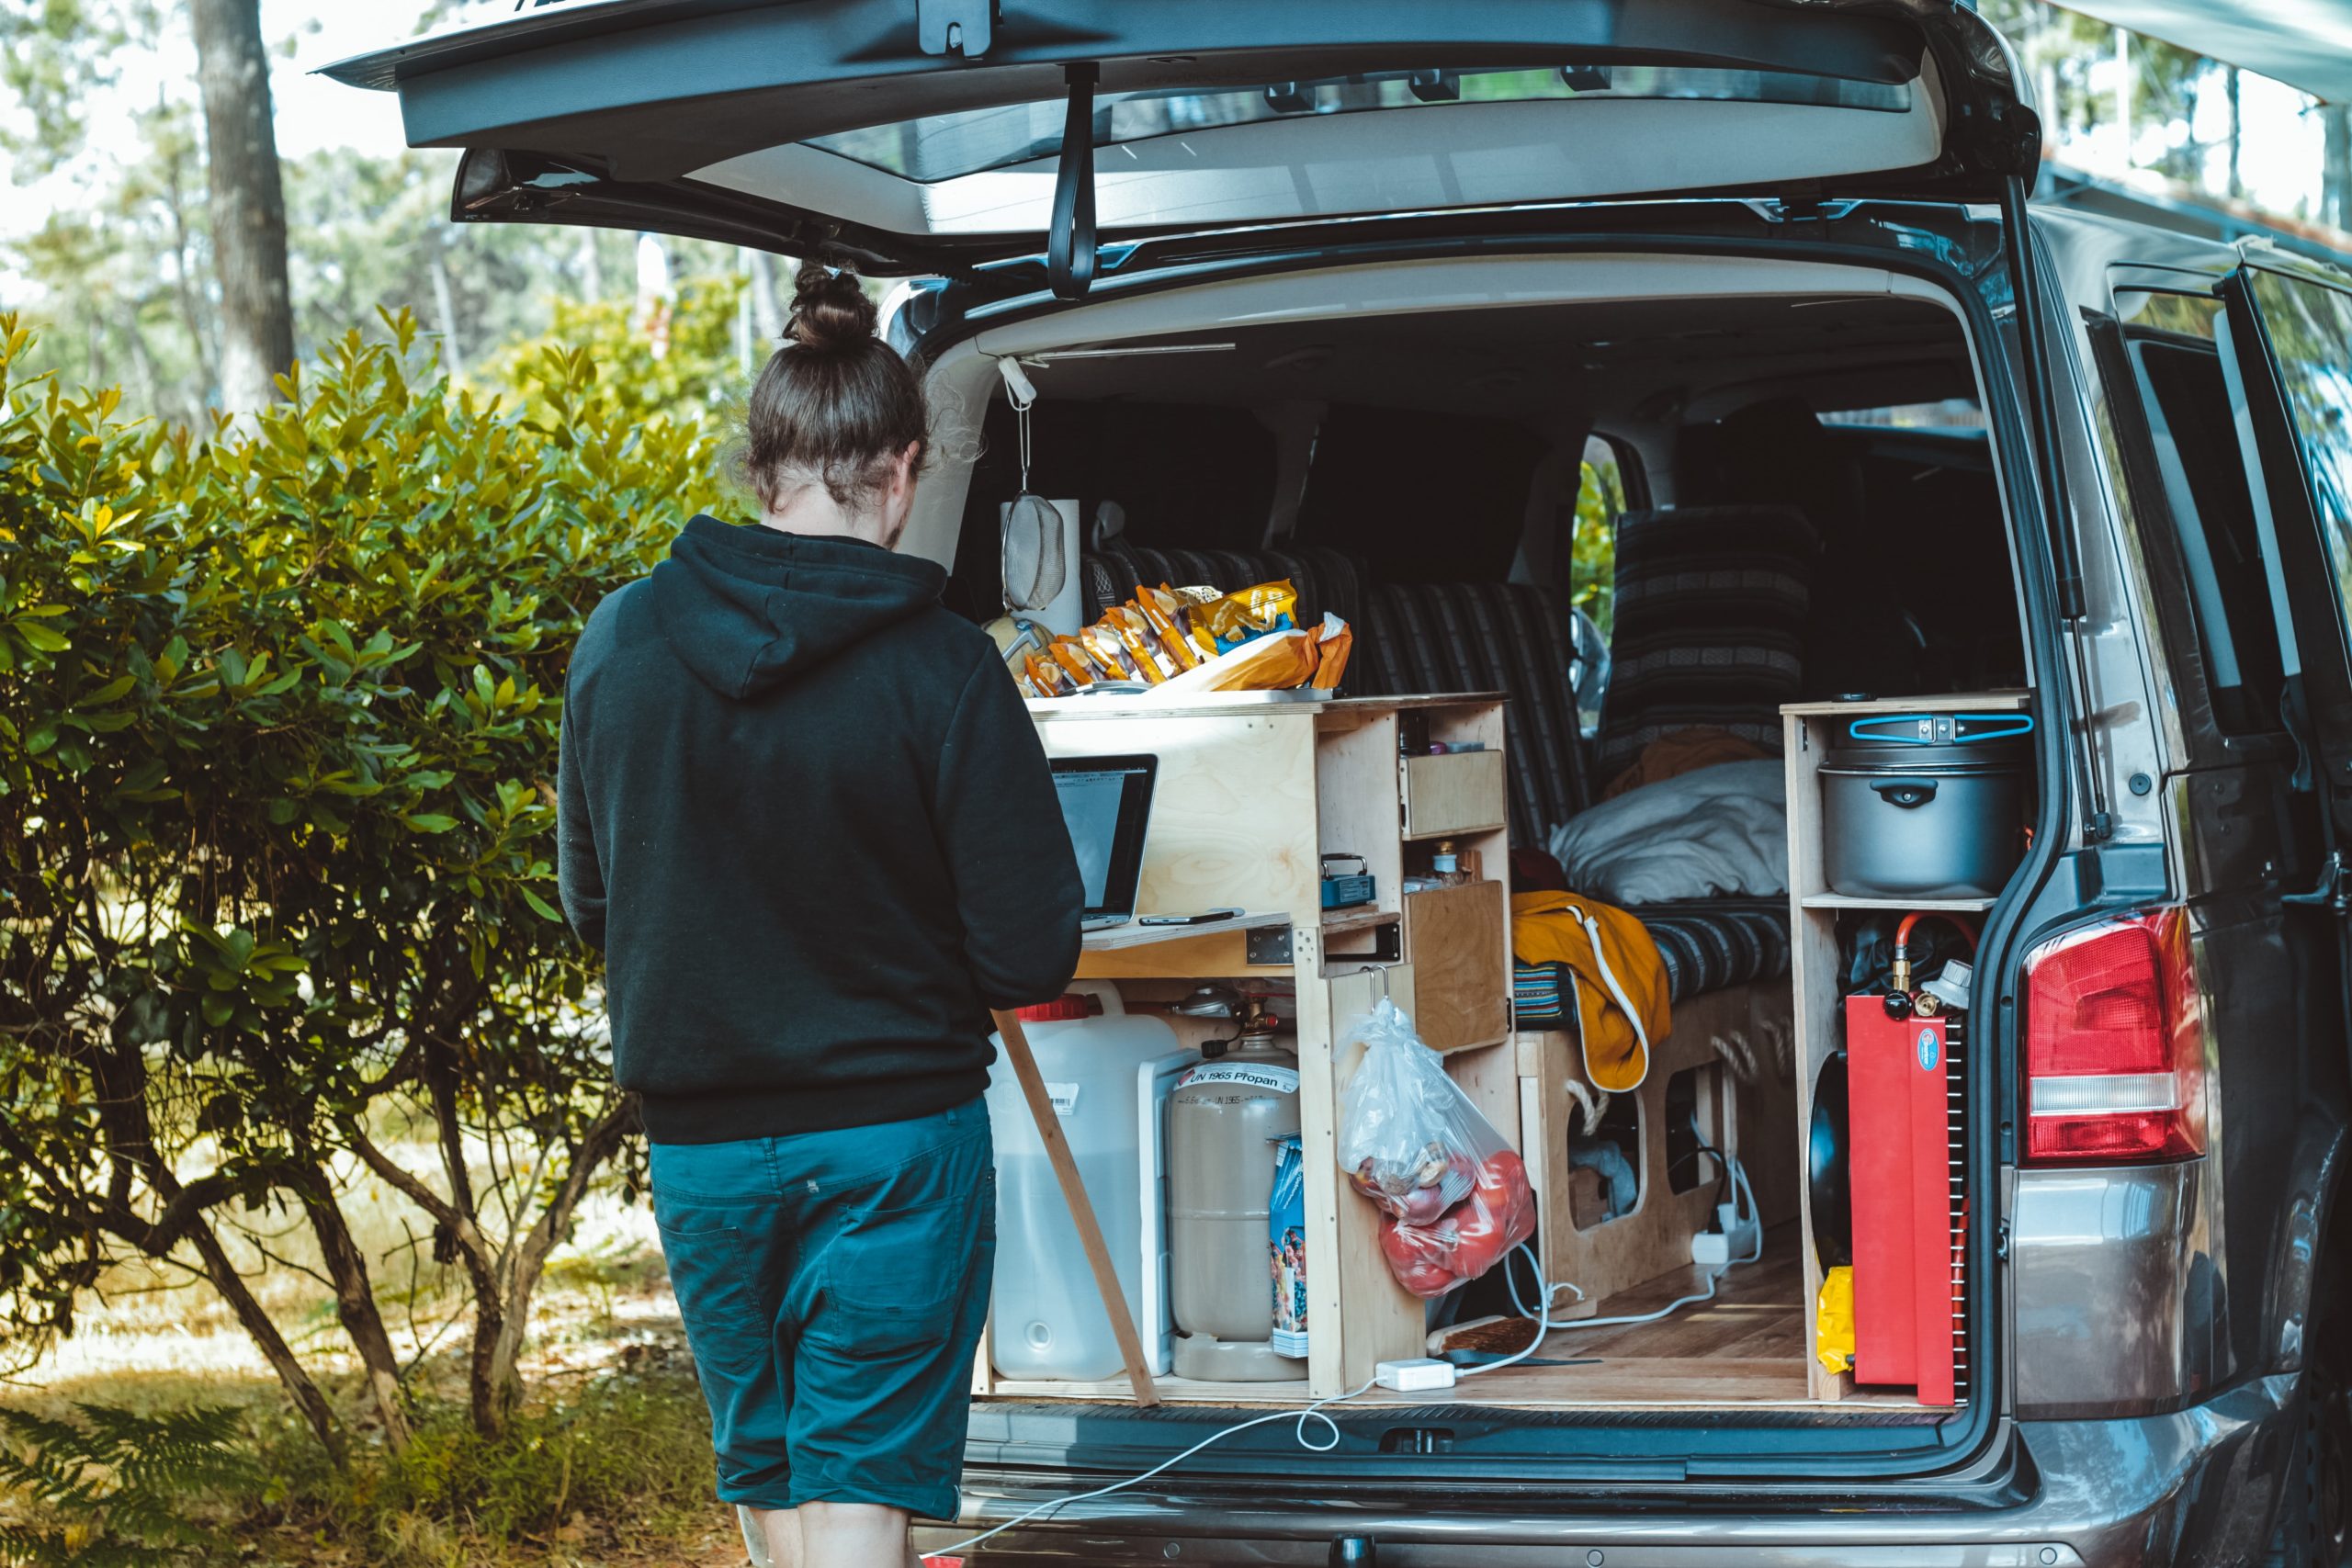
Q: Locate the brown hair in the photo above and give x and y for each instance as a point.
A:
(835, 405)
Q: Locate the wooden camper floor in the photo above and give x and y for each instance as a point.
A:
(1745, 1347)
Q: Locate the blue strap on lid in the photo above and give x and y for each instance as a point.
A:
(1999, 726)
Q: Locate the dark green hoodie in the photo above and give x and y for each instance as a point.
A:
(805, 815)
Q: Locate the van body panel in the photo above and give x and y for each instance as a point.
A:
(2097, 1493)
(2137, 1242)
(858, 131)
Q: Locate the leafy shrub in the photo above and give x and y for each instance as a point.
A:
(113, 1487)
(278, 711)
(631, 1453)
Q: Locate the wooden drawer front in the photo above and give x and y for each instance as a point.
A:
(1458, 941)
(1461, 792)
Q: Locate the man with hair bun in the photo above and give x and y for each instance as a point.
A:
(805, 817)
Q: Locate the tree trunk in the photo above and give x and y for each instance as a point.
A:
(453, 353)
(501, 1321)
(355, 1305)
(248, 202)
(766, 313)
(2336, 189)
(272, 1344)
(2237, 135)
(2124, 82)
(592, 268)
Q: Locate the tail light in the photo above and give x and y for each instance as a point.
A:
(2115, 1044)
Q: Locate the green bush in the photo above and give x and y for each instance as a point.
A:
(628, 1455)
(113, 1488)
(278, 710)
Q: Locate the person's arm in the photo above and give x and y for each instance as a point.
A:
(579, 874)
(1008, 850)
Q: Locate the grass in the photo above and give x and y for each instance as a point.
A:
(608, 1465)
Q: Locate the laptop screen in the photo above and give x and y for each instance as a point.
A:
(1106, 802)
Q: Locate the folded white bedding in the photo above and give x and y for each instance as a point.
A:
(1716, 832)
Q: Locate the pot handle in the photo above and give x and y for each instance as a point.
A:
(1904, 793)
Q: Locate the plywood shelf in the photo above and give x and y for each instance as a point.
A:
(1739, 1351)
(1897, 906)
(1944, 702)
(1338, 922)
(1136, 934)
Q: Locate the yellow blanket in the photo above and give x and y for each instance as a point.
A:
(1620, 980)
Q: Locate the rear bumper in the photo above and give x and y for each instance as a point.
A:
(2190, 1488)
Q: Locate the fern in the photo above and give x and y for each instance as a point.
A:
(112, 1488)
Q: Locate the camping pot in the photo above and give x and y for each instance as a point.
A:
(1925, 806)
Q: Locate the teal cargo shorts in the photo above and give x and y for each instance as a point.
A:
(833, 1287)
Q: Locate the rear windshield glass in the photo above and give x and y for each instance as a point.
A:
(943, 147)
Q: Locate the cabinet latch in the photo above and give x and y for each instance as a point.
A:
(956, 26)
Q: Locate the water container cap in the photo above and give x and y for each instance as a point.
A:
(1057, 1011)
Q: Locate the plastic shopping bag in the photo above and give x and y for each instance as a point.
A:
(1454, 1196)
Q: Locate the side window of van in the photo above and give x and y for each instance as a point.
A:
(2185, 403)
(2310, 328)
(1593, 573)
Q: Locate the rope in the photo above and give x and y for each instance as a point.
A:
(1592, 1104)
(1738, 1055)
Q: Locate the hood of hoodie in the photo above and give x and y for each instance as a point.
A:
(749, 608)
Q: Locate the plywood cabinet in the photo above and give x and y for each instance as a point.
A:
(1251, 793)
(1810, 730)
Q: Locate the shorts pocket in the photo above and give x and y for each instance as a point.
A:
(894, 1278)
(728, 1327)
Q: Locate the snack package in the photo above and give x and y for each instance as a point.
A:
(1074, 663)
(1110, 654)
(1454, 1196)
(1286, 1247)
(1192, 610)
(1162, 609)
(1273, 663)
(1143, 644)
(1250, 612)
(1333, 643)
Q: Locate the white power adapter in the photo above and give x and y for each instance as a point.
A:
(1734, 1237)
(1414, 1375)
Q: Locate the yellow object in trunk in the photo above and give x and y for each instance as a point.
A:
(1618, 977)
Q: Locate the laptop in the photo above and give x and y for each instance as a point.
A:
(1107, 804)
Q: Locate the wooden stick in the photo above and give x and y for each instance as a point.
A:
(1081, 1210)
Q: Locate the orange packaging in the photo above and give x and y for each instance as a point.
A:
(1136, 631)
(1073, 662)
(1110, 654)
(1160, 608)
(1253, 612)
(1333, 643)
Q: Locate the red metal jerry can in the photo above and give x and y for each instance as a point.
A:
(1899, 1124)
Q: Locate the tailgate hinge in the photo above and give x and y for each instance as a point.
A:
(956, 26)
(2335, 889)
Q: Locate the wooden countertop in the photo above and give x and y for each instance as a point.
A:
(1143, 704)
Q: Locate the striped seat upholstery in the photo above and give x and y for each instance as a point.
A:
(1707, 946)
(1712, 608)
(1489, 637)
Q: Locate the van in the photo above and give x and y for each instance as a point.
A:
(1365, 295)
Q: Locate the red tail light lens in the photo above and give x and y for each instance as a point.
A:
(2115, 1044)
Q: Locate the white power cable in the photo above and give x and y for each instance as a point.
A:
(1544, 1324)
(1314, 1412)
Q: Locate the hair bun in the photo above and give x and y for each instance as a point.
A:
(830, 310)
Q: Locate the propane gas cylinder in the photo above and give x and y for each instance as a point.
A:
(1225, 1124)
